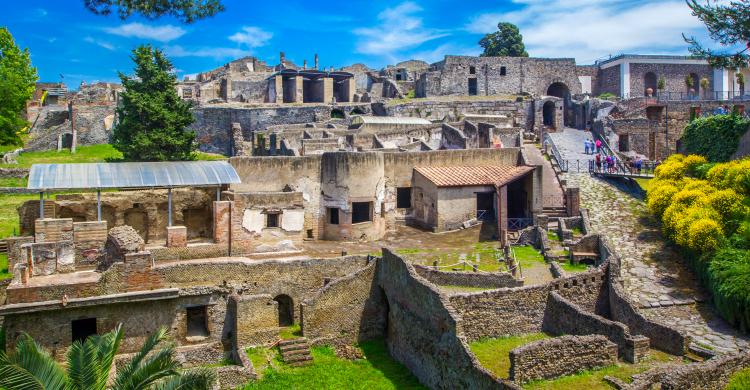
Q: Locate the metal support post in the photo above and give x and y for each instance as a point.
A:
(99, 205)
(169, 207)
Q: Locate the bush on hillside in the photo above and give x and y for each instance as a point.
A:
(715, 137)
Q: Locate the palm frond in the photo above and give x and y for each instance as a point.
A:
(30, 367)
(125, 372)
(198, 379)
(106, 350)
(83, 366)
(158, 365)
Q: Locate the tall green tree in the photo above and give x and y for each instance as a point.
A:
(17, 83)
(507, 41)
(187, 11)
(152, 119)
(728, 24)
(30, 367)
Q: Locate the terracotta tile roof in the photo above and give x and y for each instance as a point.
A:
(459, 176)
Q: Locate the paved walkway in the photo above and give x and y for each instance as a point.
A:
(553, 195)
(569, 143)
(655, 276)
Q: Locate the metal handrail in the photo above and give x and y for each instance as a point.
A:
(547, 140)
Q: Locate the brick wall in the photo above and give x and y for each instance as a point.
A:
(471, 279)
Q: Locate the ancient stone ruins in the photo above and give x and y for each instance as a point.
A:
(336, 181)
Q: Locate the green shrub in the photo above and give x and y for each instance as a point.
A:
(715, 137)
(607, 96)
(739, 381)
(729, 281)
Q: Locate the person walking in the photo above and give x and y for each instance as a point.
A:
(586, 146)
(598, 146)
(598, 159)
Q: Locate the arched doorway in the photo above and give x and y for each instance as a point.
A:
(649, 81)
(67, 141)
(286, 309)
(559, 89)
(548, 114)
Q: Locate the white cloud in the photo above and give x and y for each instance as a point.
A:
(251, 36)
(591, 29)
(399, 28)
(100, 43)
(212, 52)
(164, 33)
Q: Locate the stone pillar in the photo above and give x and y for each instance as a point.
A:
(573, 201)
(222, 221)
(502, 214)
(316, 61)
(272, 144)
(299, 89)
(176, 236)
(73, 131)
(327, 90)
(278, 81)
(350, 89)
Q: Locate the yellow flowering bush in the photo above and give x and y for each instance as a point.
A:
(704, 235)
(728, 203)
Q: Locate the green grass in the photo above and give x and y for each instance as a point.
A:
(377, 371)
(291, 332)
(203, 156)
(552, 236)
(4, 272)
(594, 379)
(494, 353)
(83, 154)
(455, 288)
(485, 250)
(643, 183)
(527, 256)
(573, 268)
(740, 380)
(13, 182)
(8, 213)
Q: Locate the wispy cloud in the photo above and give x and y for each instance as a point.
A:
(251, 36)
(590, 29)
(400, 28)
(164, 33)
(100, 43)
(211, 52)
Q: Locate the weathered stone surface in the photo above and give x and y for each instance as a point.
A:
(121, 240)
(176, 236)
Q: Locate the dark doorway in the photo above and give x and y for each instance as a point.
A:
(361, 212)
(272, 220)
(649, 81)
(198, 222)
(518, 205)
(559, 90)
(486, 206)
(694, 88)
(83, 328)
(67, 141)
(333, 215)
(337, 114)
(403, 197)
(472, 86)
(548, 114)
(286, 310)
(624, 145)
(197, 321)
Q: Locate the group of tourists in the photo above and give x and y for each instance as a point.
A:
(608, 163)
(591, 147)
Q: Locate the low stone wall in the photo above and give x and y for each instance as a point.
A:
(254, 318)
(346, 311)
(564, 317)
(469, 279)
(552, 358)
(710, 375)
(3, 286)
(663, 337)
(17, 173)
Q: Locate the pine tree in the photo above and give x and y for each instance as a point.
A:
(151, 117)
(506, 42)
(187, 11)
(17, 83)
(728, 25)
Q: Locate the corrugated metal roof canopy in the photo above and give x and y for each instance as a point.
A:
(389, 120)
(131, 175)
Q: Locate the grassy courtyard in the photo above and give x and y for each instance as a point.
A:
(484, 254)
(493, 354)
(376, 371)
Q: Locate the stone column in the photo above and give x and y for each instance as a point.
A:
(350, 89)
(298, 89)
(327, 90)
(279, 87)
(222, 221)
(573, 201)
(176, 236)
(502, 214)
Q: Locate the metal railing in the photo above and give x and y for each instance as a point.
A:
(646, 168)
(562, 163)
(485, 215)
(519, 223)
(702, 96)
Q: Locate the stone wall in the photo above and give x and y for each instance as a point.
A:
(347, 310)
(563, 317)
(424, 333)
(254, 319)
(674, 77)
(439, 110)
(470, 279)
(93, 124)
(713, 374)
(560, 356)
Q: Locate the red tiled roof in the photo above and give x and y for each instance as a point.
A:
(473, 176)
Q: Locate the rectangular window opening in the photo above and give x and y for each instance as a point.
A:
(83, 328)
(272, 220)
(403, 197)
(502, 71)
(333, 215)
(361, 212)
(472, 70)
(197, 321)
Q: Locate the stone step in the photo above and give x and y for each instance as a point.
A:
(301, 364)
(297, 358)
(295, 352)
(298, 340)
(293, 347)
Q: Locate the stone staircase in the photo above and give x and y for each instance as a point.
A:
(295, 352)
(555, 212)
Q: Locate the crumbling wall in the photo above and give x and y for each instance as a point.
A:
(470, 279)
(713, 374)
(560, 356)
(347, 310)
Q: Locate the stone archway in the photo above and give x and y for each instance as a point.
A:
(285, 309)
(559, 89)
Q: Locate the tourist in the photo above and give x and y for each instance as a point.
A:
(586, 146)
(598, 146)
(598, 159)
(638, 164)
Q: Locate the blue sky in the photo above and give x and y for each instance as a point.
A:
(66, 39)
